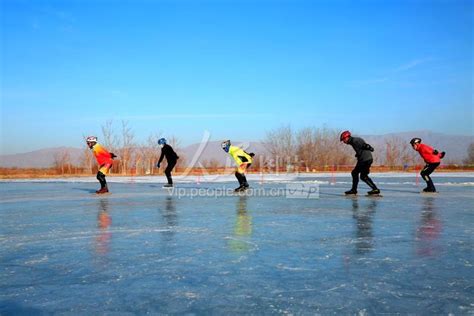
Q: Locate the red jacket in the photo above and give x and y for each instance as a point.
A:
(101, 155)
(426, 152)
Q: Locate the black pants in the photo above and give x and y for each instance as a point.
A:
(241, 177)
(101, 178)
(362, 168)
(168, 170)
(425, 174)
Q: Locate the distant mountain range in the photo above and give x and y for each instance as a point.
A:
(455, 145)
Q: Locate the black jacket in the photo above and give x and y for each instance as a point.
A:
(362, 149)
(168, 151)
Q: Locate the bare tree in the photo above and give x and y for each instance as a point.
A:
(87, 161)
(282, 146)
(306, 140)
(126, 147)
(329, 151)
(110, 140)
(470, 155)
(321, 148)
(62, 162)
(397, 153)
(151, 153)
(211, 165)
(392, 152)
(260, 162)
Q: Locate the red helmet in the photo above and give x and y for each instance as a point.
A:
(344, 135)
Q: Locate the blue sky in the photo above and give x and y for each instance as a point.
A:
(234, 68)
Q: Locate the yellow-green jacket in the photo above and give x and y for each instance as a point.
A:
(239, 155)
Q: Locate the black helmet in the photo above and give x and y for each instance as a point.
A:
(415, 140)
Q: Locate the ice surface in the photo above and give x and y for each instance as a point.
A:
(65, 250)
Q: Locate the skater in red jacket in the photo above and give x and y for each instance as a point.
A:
(432, 159)
(105, 161)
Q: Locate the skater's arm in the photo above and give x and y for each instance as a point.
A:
(162, 156)
(363, 145)
(357, 143)
(251, 155)
(368, 147)
(426, 150)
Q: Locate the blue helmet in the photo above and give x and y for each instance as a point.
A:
(161, 141)
(226, 145)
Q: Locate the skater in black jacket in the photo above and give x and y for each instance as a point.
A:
(364, 161)
(171, 157)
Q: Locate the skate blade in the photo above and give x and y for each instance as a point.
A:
(241, 190)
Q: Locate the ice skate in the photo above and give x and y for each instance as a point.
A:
(102, 190)
(351, 192)
(429, 191)
(374, 192)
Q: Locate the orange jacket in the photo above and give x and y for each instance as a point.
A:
(101, 155)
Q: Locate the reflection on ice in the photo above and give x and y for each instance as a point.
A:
(429, 229)
(363, 217)
(240, 241)
(104, 220)
(169, 218)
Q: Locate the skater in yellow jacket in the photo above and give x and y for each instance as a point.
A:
(243, 161)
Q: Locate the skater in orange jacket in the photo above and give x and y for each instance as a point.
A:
(105, 161)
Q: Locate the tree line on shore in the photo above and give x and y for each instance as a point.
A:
(287, 150)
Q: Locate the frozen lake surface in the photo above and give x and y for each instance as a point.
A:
(140, 250)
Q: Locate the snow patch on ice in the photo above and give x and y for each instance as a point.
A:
(279, 178)
(36, 261)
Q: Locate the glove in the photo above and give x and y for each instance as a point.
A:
(112, 155)
(435, 152)
(442, 155)
(251, 154)
(158, 165)
(368, 147)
